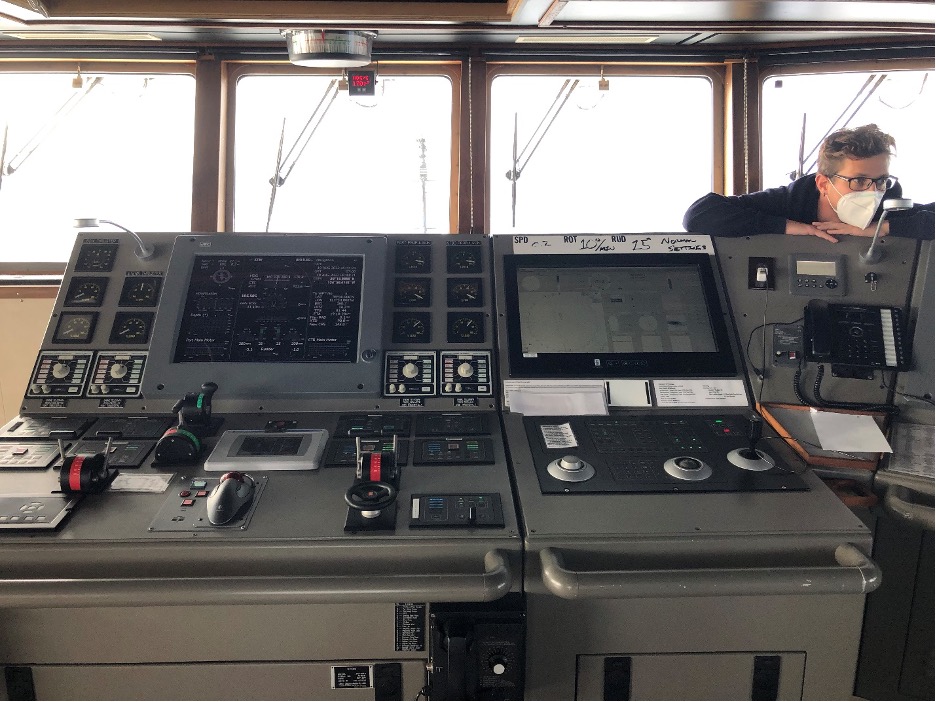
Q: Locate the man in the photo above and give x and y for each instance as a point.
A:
(843, 199)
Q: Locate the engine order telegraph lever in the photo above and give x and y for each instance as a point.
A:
(371, 499)
(84, 472)
(750, 457)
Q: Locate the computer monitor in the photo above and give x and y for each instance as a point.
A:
(615, 315)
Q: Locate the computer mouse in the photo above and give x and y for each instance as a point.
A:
(231, 497)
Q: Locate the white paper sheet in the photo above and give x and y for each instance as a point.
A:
(711, 392)
(546, 403)
(545, 385)
(838, 431)
(140, 482)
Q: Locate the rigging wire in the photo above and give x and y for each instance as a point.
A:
(332, 91)
(275, 180)
(558, 103)
(20, 157)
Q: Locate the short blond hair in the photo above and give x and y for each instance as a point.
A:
(857, 143)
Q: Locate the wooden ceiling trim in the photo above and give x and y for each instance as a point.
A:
(552, 12)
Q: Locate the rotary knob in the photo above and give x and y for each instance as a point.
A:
(410, 370)
(60, 370)
(498, 664)
(571, 463)
(465, 370)
(118, 370)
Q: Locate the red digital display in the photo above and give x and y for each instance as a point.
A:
(361, 82)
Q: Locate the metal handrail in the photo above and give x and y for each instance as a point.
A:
(491, 584)
(854, 573)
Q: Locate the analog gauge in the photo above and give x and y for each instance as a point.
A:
(131, 328)
(464, 259)
(464, 292)
(413, 258)
(86, 292)
(411, 328)
(96, 257)
(465, 327)
(75, 327)
(412, 292)
(140, 291)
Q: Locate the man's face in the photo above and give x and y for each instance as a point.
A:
(834, 188)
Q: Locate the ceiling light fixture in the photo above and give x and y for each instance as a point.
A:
(321, 48)
(586, 39)
(46, 35)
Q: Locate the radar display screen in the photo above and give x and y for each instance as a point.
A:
(612, 315)
(272, 309)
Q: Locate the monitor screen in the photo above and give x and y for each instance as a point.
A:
(271, 309)
(615, 316)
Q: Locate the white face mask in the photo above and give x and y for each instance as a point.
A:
(857, 208)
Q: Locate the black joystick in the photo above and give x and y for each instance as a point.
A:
(749, 458)
(183, 442)
(755, 431)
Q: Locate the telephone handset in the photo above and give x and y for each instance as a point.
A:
(855, 335)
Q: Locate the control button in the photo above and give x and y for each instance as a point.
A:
(687, 463)
(199, 484)
(201, 493)
(571, 463)
(188, 503)
(185, 493)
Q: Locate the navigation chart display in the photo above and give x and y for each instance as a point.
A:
(613, 310)
(272, 309)
(614, 315)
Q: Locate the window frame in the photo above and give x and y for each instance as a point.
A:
(714, 71)
(769, 71)
(181, 66)
(235, 69)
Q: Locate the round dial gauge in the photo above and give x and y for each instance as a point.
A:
(131, 328)
(75, 328)
(464, 293)
(412, 328)
(464, 259)
(86, 292)
(465, 328)
(140, 292)
(413, 292)
(412, 259)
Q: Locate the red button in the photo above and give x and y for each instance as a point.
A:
(184, 493)
(201, 493)
(188, 503)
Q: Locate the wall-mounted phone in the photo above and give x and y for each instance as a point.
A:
(816, 275)
(859, 336)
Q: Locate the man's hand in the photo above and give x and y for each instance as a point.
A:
(802, 229)
(843, 229)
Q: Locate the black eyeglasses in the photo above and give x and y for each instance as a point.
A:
(861, 183)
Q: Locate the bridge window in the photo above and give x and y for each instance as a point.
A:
(899, 102)
(569, 156)
(95, 143)
(346, 163)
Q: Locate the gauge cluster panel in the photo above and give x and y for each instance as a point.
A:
(441, 307)
(402, 320)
